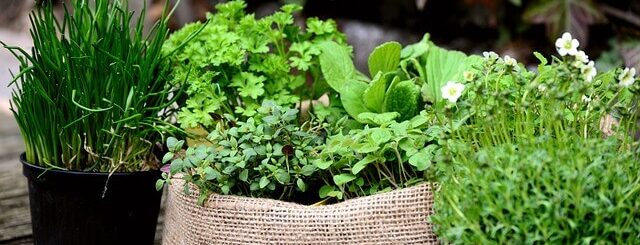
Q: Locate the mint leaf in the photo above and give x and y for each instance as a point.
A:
(384, 58)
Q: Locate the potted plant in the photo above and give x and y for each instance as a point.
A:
(91, 100)
(269, 147)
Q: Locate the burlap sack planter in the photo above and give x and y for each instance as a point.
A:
(397, 217)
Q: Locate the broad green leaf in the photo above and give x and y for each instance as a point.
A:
(374, 94)
(384, 58)
(377, 118)
(360, 165)
(342, 179)
(336, 65)
(417, 49)
(442, 66)
(351, 98)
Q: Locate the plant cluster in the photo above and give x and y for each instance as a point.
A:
(263, 157)
(560, 191)
(529, 162)
(233, 62)
(378, 159)
(92, 95)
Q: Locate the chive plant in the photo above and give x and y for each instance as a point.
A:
(92, 93)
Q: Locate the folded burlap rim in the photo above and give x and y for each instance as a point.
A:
(396, 217)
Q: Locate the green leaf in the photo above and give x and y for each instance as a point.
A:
(342, 179)
(374, 95)
(442, 66)
(360, 165)
(336, 65)
(377, 118)
(351, 98)
(264, 181)
(225, 189)
(174, 144)
(301, 185)
(210, 173)
(384, 58)
(244, 175)
(176, 166)
(308, 170)
(159, 184)
(541, 58)
(417, 49)
(422, 159)
(325, 190)
(167, 157)
(380, 135)
(322, 164)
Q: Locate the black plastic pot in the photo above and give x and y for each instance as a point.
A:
(70, 207)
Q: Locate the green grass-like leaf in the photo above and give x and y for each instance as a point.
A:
(91, 94)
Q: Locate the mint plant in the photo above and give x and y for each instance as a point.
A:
(269, 156)
(234, 61)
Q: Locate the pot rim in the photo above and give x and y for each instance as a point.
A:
(24, 162)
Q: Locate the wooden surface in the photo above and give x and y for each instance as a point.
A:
(15, 220)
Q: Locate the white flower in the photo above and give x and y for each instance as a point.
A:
(588, 71)
(586, 99)
(490, 55)
(542, 87)
(567, 45)
(581, 56)
(468, 76)
(627, 77)
(511, 62)
(452, 91)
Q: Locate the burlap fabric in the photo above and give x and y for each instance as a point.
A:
(397, 217)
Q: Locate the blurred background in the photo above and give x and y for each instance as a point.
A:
(609, 31)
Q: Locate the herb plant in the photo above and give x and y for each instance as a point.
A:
(268, 156)
(529, 162)
(92, 93)
(378, 159)
(234, 61)
(564, 191)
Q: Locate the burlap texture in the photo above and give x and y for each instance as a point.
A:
(397, 217)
